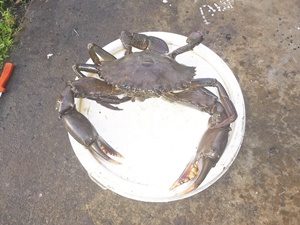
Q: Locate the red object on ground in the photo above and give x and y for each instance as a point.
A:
(5, 75)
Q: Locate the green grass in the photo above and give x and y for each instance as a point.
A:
(7, 30)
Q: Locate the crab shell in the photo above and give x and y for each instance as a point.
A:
(147, 72)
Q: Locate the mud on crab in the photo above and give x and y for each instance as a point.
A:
(152, 72)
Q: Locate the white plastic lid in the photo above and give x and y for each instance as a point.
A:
(158, 138)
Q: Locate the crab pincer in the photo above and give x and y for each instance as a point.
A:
(210, 149)
(80, 128)
(85, 133)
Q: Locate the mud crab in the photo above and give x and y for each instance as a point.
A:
(152, 72)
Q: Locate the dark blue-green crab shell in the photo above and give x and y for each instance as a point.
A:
(147, 71)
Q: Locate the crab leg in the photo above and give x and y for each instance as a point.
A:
(227, 104)
(93, 68)
(95, 49)
(90, 68)
(77, 124)
(143, 42)
(214, 140)
(193, 40)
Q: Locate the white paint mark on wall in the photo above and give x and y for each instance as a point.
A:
(217, 7)
(165, 1)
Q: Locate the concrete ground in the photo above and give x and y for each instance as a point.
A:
(42, 182)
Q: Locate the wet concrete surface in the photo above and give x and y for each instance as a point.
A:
(42, 182)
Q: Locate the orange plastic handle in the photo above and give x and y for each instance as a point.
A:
(5, 75)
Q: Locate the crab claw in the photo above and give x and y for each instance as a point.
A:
(196, 171)
(81, 128)
(210, 149)
(84, 132)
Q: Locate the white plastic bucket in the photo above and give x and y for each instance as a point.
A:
(158, 138)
